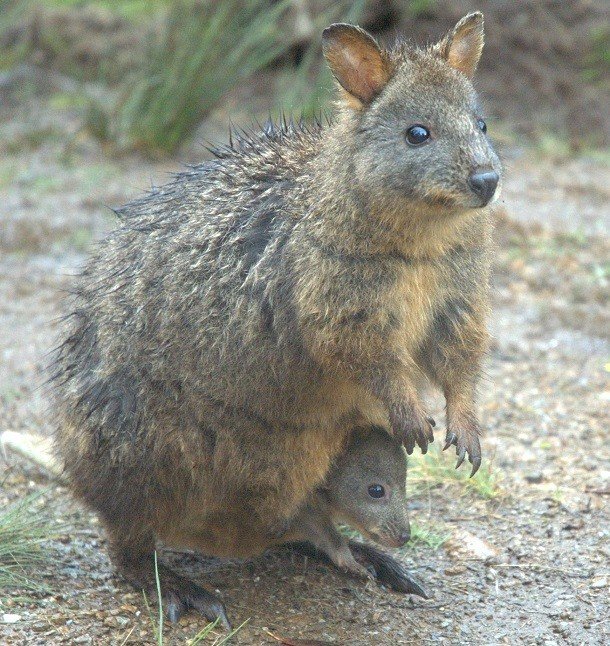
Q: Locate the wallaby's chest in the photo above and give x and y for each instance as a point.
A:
(419, 290)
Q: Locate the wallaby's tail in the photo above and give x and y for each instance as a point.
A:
(36, 448)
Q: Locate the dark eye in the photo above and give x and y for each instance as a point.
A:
(376, 491)
(417, 135)
(482, 125)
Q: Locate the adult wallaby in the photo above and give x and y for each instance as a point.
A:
(227, 337)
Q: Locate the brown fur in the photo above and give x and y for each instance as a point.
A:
(371, 457)
(239, 322)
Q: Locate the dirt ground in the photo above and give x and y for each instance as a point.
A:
(544, 402)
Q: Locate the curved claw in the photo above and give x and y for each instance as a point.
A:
(210, 606)
(467, 445)
(476, 463)
(174, 607)
(410, 424)
(461, 453)
(450, 439)
(409, 445)
(430, 434)
(425, 437)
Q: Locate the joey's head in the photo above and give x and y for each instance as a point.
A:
(366, 487)
(416, 128)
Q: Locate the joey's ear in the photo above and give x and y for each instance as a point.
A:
(356, 61)
(463, 45)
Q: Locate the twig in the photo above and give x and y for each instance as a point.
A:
(128, 636)
(538, 566)
(599, 492)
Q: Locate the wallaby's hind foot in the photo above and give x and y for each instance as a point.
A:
(135, 563)
(388, 570)
(379, 565)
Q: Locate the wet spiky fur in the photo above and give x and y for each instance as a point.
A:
(237, 324)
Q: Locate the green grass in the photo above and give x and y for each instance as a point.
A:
(423, 535)
(24, 532)
(308, 88)
(417, 7)
(203, 51)
(549, 143)
(553, 145)
(598, 59)
(420, 535)
(12, 14)
(128, 9)
(218, 641)
(548, 247)
(437, 468)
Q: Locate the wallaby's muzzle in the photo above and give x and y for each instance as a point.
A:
(483, 184)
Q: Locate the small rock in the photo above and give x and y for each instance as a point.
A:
(129, 608)
(534, 478)
(597, 584)
(10, 618)
(464, 545)
(577, 523)
(559, 629)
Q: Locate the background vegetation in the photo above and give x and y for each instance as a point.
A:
(147, 73)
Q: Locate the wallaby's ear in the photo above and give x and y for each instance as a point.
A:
(463, 45)
(356, 61)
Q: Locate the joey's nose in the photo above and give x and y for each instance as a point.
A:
(483, 184)
(404, 537)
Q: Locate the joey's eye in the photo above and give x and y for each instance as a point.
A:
(417, 135)
(376, 491)
(482, 125)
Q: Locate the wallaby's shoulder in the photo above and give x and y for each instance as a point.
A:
(276, 154)
(258, 172)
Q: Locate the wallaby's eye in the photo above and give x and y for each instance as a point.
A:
(417, 135)
(376, 491)
(482, 125)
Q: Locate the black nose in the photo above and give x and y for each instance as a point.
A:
(483, 184)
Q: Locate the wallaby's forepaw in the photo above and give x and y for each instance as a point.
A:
(411, 425)
(466, 442)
